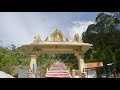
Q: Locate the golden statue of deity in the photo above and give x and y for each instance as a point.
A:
(57, 36)
(77, 38)
(37, 38)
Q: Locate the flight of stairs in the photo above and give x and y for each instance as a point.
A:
(58, 70)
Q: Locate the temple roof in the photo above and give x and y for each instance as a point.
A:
(57, 44)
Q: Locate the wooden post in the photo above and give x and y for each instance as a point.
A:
(81, 68)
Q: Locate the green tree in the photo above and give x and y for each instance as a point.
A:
(12, 60)
(8, 64)
(105, 37)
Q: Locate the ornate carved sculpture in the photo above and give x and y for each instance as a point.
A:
(37, 38)
(67, 39)
(57, 36)
(77, 38)
(47, 39)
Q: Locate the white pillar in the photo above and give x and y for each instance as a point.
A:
(80, 62)
(33, 61)
(81, 67)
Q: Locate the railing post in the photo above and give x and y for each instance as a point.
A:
(73, 73)
(68, 69)
(46, 70)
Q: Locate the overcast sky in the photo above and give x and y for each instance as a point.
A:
(20, 27)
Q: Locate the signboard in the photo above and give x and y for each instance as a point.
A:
(34, 68)
(93, 65)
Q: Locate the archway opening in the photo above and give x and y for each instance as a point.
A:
(45, 60)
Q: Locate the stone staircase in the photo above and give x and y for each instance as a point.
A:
(58, 70)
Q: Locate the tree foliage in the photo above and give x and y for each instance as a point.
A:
(11, 60)
(105, 37)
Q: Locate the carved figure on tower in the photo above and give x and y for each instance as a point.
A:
(57, 36)
(37, 38)
(77, 38)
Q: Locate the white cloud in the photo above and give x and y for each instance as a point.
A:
(20, 27)
(78, 27)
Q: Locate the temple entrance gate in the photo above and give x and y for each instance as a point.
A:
(58, 43)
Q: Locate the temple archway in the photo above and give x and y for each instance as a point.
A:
(58, 43)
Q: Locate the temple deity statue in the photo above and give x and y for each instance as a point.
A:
(37, 38)
(57, 36)
(77, 38)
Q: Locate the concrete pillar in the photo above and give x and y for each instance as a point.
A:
(33, 61)
(81, 63)
(73, 73)
(81, 68)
